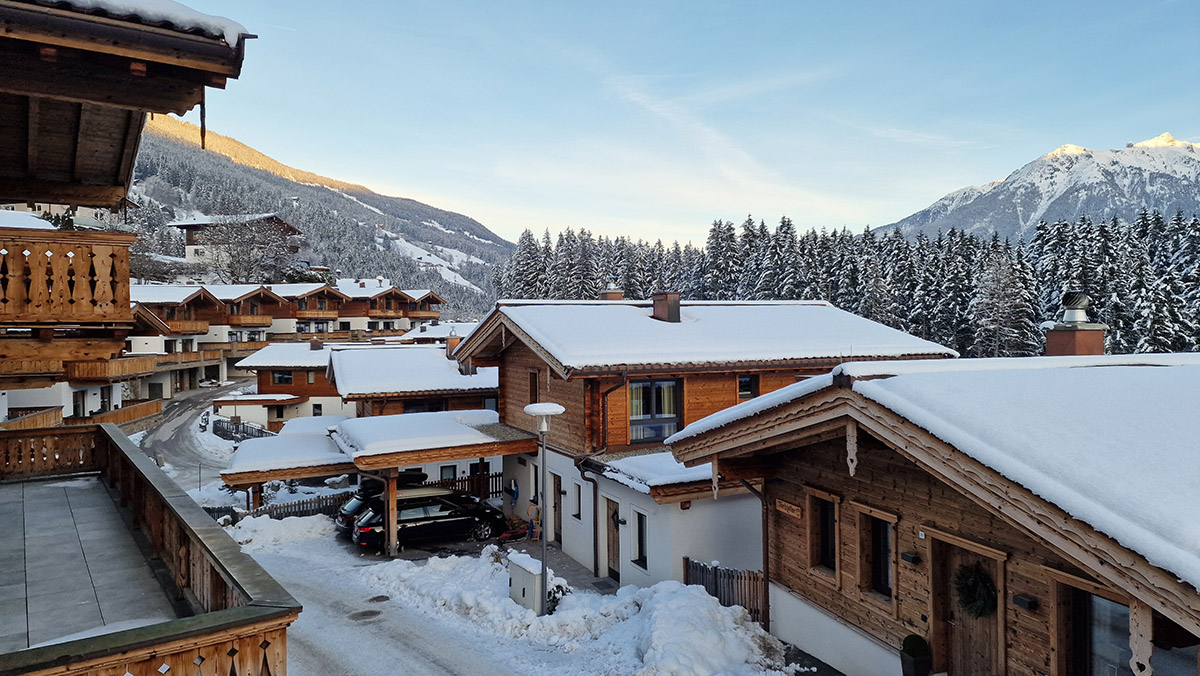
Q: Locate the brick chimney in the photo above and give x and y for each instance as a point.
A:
(1074, 334)
(666, 307)
(316, 345)
(452, 342)
(612, 293)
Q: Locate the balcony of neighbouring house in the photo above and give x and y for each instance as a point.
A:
(136, 552)
(317, 314)
(236, 348)
(177, 358)
(109, 370)
(250, 320)
(188, 326)
(32, 418)
(387, 313)
(69, 278)
(422, 315)
(129, 412)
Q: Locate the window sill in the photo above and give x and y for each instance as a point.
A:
(640, 563)
(879, 601)
(826, 575)
(577, 517)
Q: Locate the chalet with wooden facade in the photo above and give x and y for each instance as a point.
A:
(436, 333)
(630, 374)
(311, 310)
(239, 326)
(385, 380)
(375, 306)
(201, 249)
(1024, 516)
(422, 306)
(292, 383)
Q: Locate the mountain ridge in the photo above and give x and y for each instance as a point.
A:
(1161, 173)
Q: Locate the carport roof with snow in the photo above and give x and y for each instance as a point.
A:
(394, 441)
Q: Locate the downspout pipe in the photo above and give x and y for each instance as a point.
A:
(595, 515)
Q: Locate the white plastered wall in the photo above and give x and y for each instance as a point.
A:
(827, 638)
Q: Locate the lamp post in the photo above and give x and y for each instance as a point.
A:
(543, 412)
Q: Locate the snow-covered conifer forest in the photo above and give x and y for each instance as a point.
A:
(983, 297)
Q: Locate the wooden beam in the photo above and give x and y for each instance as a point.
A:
(32, 135)
(107, 196)
(390, 525)
(1141, 633)
(87, 83)
(243, 479)
(446, 454)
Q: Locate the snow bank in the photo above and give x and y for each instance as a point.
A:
(665, 630)
(261, 533)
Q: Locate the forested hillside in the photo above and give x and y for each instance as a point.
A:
(346, 227)
(982, 297)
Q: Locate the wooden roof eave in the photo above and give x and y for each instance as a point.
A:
(698, 490)
(1091, 550)
(253, 478)
(143, 315)
(413, 394)
(261, 291)
(380, 461)
(143, 42)
(496, 327)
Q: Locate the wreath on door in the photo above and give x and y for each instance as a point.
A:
(976, 591)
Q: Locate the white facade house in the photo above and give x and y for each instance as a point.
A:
(78, 401)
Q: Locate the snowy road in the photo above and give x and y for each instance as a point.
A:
(328, 641)
(177, 446)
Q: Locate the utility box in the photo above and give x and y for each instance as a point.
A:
(524, 581)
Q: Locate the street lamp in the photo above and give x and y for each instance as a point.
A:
(543, 412)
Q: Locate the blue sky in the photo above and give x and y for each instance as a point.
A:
(653, 119)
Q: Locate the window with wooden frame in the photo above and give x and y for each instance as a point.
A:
(747, 387)
(281, 377)
(312, 377)
(654, 409)
(533, 387)
(822, 529)
(877, 554)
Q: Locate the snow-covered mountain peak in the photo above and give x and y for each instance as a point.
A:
(1068, 182)
(1161, 141)
(1067, 149)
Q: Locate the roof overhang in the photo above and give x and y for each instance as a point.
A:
(254, 478)
(74, 92)
(382, 461)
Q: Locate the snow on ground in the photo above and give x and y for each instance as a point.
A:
(137, 438)
(214, 445)
(665, 630)
(214, 494)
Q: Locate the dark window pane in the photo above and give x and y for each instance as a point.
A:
(827, 534)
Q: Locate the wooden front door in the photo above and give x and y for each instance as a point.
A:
(963, 645)
(556, 500)
(613, 513)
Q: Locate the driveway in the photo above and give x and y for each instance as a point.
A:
(174, 442)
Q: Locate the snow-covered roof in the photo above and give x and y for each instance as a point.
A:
(404, 369)
(1109, 439)
(641, 472)
(580, 336)
(165, 13)
(416, 294)
(440, 330)
(219, 218)
(287, 355)
(295, 290)
(413, 432)
(313, 424)
(363, 288)
(161, 293)
(23, 220)
(285, 452)
(229, 292)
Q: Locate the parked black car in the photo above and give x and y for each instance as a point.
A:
(366, 496)
(431, 514)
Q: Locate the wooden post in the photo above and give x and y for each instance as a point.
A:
(1141, 632)
(484, 493)
(766, 558)
(255, 496)
(389, 515)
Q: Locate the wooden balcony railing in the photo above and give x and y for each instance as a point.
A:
(241, 614)
(235, 347)
(109, 370)
(250, 320)
(382, 313)
(188, 326)
(316, 314)
(32, 418)
(64, 277)
(423, 314)
(130, 411)
(177, 358)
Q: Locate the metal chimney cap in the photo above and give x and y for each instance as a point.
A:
(1076, 300)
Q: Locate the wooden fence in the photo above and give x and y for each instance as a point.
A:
(323, 504)
(32, 418)
(730, 586)
(238, 431)
(131, 410)
(470, 484)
